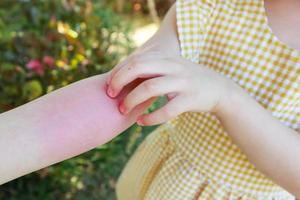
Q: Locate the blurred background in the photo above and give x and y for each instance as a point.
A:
(48, 44)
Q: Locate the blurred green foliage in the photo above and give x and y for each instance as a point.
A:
(45, 45)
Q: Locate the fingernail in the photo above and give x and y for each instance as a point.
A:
(122, 107)
(110, 92)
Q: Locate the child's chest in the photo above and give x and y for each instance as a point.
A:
(240, 44)
(284, 20)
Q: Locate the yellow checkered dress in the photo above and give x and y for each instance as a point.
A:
(191, 156)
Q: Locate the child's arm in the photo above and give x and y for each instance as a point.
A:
(271, 146)
(60, 125)
(71, 120)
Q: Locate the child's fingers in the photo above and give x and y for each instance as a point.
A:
(116, 69)
(172, 109)
(150, 88)
(120, 65)
(138, 70)
(112, 71)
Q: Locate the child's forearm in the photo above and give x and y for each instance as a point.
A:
(71, 120)
(60, 125)
(270, 145)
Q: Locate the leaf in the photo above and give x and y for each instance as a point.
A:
(7, 67)
(32, 90)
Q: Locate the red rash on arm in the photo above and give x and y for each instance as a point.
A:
(61, 125)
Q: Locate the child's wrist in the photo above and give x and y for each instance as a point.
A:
(234, 97)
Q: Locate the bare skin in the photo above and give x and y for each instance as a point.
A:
(265, 140)
(284, 20)
(60, 125)
(71, 120)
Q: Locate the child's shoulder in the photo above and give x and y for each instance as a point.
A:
(229, 4)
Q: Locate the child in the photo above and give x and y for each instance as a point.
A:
(231, 126)
(232, 120)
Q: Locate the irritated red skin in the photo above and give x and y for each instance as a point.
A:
(82, 118)
(65, 123)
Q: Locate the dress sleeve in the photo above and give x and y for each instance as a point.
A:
(192, 18)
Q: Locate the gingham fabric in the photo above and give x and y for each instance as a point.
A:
(191, 156)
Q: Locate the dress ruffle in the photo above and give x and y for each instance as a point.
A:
(158, 170)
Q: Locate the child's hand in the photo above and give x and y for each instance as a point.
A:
(188, 86)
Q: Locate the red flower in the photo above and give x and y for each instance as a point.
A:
(49, 61)
(36, 66)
